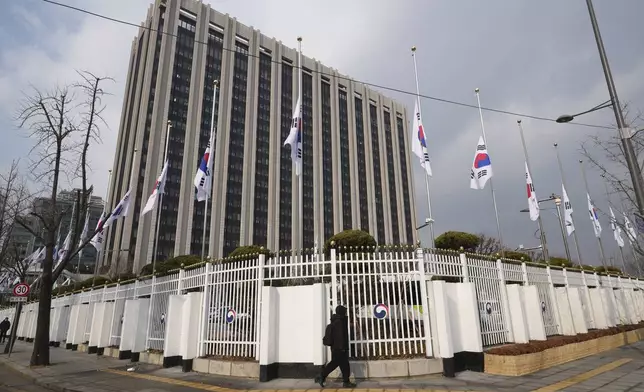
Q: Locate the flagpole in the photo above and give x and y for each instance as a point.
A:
(208, 167)
(496, 210)
(300, 187)
(599, 240)
(614, 221)
(158, 223)
(430, 220)
(631, 241)
(546, 256)
(563, 182)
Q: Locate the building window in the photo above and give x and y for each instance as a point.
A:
(286, 166)
(391, 176)
(345, 160)
(404, 179)
(377, 177)
(262, 143)
(327, 162)
(362, 166)
(232, 221)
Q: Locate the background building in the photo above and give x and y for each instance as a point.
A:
(65, 201)
(357, 170)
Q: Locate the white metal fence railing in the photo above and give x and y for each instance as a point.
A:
(383, 290)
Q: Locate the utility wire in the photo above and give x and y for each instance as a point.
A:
(374, 85)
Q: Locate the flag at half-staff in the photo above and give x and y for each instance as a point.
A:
(481, 167)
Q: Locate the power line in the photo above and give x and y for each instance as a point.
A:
(374, 85)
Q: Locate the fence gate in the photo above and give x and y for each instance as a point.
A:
(232, 316)
(539, 277)
(382, 293)
(485, 276)
(162, 288)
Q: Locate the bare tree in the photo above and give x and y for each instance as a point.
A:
(488, 245)
(14, 202)
(604, 153)
(62, 126)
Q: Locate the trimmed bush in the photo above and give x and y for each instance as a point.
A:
(360, 240)
(250, 251)
(513, 255)
(609, 270)
(163, 267)
(455, 240)
(560, 262)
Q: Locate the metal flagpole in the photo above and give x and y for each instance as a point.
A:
(621, 251)
(158, 225)
(430, 220)
(105, 209)
(496, 210)
(563, 182)
(546, 256)
(300, 155)
(599, 240)
(209, 174)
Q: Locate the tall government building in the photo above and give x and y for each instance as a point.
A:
(357, 167)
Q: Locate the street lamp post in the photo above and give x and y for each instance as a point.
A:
(624, 131)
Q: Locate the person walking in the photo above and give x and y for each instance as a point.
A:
(4, 327)
(336, 336)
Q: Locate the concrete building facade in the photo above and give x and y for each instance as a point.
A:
(356, 169)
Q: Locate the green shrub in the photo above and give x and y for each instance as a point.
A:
(609, 270)
(455, 240)
(359, 240)
(163, 267)
(560, 262)
(513, 255)
(250, 251)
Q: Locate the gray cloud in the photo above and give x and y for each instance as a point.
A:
(532, 57)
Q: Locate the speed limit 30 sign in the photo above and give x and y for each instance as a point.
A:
(21, 290)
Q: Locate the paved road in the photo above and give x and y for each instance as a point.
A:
(12, 381)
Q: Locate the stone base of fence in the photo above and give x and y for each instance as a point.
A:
(54, 344)
(359, 369)
(155, 358)
(226, 368)
(114, 352)
(519, 365)
(82, 347)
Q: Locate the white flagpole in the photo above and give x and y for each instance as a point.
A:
(430, 219)
(563, 182)
(599, 240)
(158, 224)
(300, 152)
(209, 168)
(544, 247)
(621, 251)
(496, 210)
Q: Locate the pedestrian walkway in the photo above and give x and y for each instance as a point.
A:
(617, 370)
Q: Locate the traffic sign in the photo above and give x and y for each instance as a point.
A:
(21, 290)
(18, 299)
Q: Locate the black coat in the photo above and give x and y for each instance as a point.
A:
(339, 325)
(5, 325)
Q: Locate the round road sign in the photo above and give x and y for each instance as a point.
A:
(21, 290)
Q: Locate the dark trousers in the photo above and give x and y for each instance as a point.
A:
(339, 358)
(3, 336)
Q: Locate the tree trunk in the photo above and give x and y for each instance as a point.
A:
(40, 355)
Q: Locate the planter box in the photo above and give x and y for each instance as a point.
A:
(519, 365)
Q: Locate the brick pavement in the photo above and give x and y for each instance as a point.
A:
(617, 370)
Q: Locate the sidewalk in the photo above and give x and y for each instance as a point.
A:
(617, 370)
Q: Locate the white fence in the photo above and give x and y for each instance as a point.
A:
(383, 291)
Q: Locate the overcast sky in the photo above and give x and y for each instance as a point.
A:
(533, 57)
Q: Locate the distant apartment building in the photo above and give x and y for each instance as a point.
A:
(356, 169)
